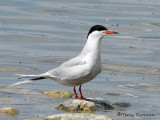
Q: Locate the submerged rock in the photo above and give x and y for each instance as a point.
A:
(3, 100)
(77, 106)
(57, 94)
(102, 103)
(106, 105)
(9, 111)
(78, 116)
(120, 106)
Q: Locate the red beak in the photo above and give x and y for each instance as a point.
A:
(111, 32)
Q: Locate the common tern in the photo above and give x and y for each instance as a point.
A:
(80, 69)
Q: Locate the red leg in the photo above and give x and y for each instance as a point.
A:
(81, 98)
(75, 93)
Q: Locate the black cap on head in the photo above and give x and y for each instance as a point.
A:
(96, 28)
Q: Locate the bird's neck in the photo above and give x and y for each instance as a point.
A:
(92, 48)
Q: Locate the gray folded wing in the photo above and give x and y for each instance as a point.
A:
(72, 69)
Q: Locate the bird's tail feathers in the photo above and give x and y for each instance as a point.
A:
(31, 78)
(22, 82)
(21, 76)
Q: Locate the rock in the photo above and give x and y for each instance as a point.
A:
(120, 106)
(9, 111)
(102, 103)
(89, 106)
(57, 94)
(106, 105)
(78, 116)
(77, 106)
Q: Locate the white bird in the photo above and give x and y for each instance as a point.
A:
(81, 69)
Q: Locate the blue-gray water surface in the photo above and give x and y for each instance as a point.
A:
(38, 35)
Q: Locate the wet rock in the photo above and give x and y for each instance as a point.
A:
(89, 106)
(9, 111)
(57, 94)
(120, 106)
(77, 106)
(78, 116)
(102, 103)
(106, 105)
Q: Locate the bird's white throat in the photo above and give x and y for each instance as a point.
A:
(93, 43)
(92, 48)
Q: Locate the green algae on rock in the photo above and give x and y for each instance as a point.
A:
(57, 94)
(78, 116)
(9, 111)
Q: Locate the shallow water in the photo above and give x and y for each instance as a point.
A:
(37, 36)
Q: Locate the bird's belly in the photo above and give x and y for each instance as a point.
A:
(79, 81)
